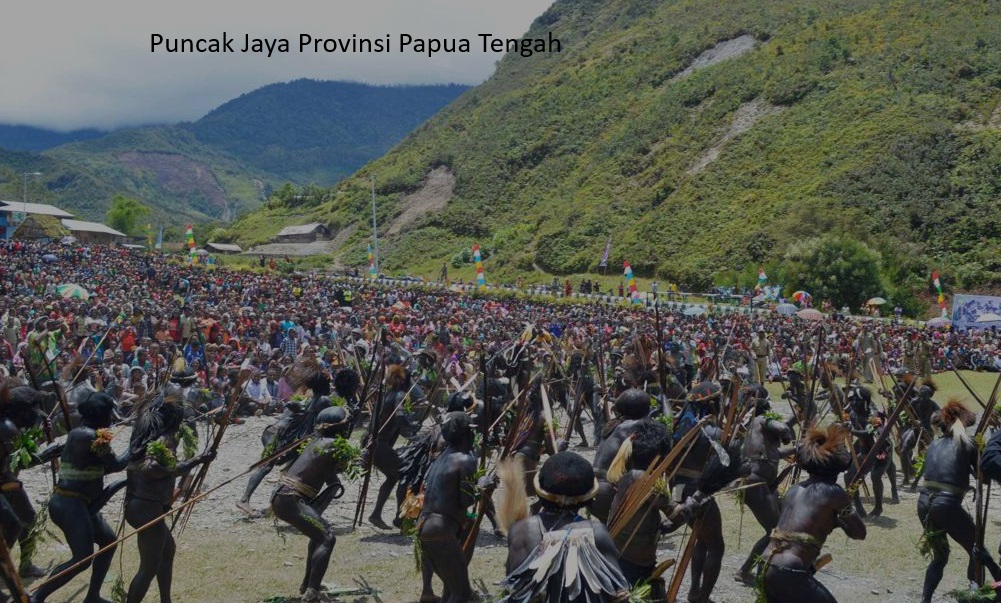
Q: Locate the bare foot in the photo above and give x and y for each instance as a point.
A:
(248, 510)
(377, 521)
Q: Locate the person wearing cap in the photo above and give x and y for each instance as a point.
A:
(449, 491)
(761, 348)
(565, 484)
(311, 478)
(80, 494)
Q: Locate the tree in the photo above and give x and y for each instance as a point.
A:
(125, 213)
(832, 267)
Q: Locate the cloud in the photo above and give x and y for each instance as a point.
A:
(91, 64)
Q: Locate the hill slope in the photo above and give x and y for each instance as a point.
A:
(706, 138)
(303, 132)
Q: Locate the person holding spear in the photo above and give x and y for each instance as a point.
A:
(152, 475)
(80, 494)
(948, 463)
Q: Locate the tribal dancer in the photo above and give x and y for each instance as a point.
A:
(811, 510)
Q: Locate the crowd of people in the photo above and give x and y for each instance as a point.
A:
(167, 344)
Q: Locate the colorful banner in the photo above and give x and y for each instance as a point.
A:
(371, 263)
(762, 278)
(189, 234)
(481, 282)
(971, 311)
(604, 256)
(941, 296)
(159, 239)
(634, 293)
(149, 236)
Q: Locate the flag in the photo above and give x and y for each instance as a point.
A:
(149, 236)
(159, 239)
(604, 256)
(941, 296)
(371, 263)
(634, 294)
(189, 234)
(762, 277)
(481, 282)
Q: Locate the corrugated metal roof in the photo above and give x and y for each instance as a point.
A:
(297, 230)
(81, 226)
(34, 208)
(225, 247)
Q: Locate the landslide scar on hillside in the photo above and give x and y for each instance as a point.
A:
(433, 196)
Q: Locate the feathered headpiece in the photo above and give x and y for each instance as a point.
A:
(825, 452)
(346, 382)
(953, 419)
(306, 373)
(396, 376)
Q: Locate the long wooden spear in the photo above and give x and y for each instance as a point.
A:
(981, 500)
(370, 445)
(224, 422)
(166, 514)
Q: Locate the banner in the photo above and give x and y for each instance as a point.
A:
(159, 239)
(604, 256)
(966, 309)
(634, 294)
(481, 282)
(371, 263)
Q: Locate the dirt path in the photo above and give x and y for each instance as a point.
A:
(224, 557)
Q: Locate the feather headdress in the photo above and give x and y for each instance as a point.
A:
(953, 419)
(825, 452)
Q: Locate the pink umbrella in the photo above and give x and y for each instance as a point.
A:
(810, 314)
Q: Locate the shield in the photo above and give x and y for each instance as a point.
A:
(786, 309)
(810, 314)
(72, 290)
(989, 317)
(875, 301)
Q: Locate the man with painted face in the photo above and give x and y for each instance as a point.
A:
(325, 457)
(79, 494)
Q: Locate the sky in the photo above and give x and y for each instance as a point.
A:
(69, 65)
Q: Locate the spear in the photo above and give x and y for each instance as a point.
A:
(469, 544)
(981, 500)
(168, 513)
(11, 576)
(241, 382)
(372, 441)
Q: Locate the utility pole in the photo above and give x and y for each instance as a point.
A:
(375, 231)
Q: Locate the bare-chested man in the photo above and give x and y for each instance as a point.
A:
(448, 492)
(632, 405)
(811, 510)
(325, 456)
(760, 455)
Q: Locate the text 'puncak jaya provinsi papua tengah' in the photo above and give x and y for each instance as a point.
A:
(401, 43)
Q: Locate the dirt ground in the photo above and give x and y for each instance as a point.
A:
(224, 557)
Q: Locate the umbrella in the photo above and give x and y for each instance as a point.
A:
(939, 322)
(810, 314)
(694, 311)
(875, 301)
(73, 290)
(48, 257)
(786, 309)
(801, 295)
(989, 317)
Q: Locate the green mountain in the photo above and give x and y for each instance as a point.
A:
(705, 139)
(303, 132)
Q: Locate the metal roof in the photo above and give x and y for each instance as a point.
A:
(225, 247)
(33, 208)
(81, 226)
(302, 229)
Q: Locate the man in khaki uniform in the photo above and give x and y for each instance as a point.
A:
(761, 347)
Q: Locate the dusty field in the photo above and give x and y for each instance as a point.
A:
(224, 557)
